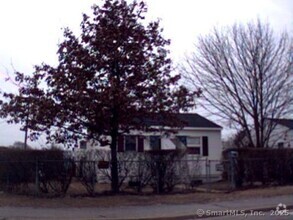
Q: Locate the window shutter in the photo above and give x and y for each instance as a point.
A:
(120, 143)
(140, 144)
(205, 146)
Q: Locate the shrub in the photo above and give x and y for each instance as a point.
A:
(56, 175)
(163, 169)
(87, 175)
(141, 174)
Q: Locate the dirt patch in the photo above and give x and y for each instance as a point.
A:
(118, 200)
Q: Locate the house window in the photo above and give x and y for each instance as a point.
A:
(197, 145)
(130, 143)
(193, 141)
(82, 144)
(155, 142)
(281, 145)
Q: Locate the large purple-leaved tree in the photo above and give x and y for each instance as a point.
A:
(114, 74)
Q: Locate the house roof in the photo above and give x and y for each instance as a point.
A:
(285, 122)
(189, 120)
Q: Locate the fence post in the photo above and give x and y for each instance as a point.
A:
(37, 177)
(208, 169)
(139, 179)
(158, 176)
(7, 180)
(232, 160)
(94, 179)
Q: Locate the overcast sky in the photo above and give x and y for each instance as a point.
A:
(31, 29)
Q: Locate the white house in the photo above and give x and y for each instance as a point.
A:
(199, 136)
(282, 133)
(200, 139)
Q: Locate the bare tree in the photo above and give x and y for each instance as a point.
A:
(245, 74)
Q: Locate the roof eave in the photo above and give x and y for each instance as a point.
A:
(189, 128)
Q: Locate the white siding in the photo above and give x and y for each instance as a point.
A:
(168, 141)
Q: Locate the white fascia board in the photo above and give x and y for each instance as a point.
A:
(202, 129)
(187, 128)
(164, 129)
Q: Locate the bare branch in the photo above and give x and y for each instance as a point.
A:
(245, 73)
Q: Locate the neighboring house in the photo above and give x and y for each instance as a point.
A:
(280, 136)
(282, 133)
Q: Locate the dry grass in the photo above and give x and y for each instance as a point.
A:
(73, 200)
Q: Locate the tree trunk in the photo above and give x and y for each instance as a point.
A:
(114, 163)
(115, 126)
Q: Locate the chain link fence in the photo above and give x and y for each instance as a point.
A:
(141, 175)
(58, 172)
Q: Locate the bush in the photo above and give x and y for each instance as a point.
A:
(162, 165)
(56, 175)
(126, 165)
(87, 175)
(141, 174)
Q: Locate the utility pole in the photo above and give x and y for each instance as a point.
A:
(26, 126)
(25, 133)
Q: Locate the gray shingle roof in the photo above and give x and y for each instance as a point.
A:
(189, 120)
(285, 122)
(196, 120)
